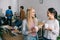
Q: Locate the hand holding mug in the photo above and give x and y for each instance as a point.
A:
(50, 29)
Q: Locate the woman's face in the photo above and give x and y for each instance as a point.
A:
(50, 15)
(32, 13)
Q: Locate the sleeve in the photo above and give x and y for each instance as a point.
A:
(36, 28)
(24, 29)
(36, 21)
(36, 24)
(56, 28)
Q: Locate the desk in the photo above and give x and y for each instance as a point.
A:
(10, 28)
(7, 36)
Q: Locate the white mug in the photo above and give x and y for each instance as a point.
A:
(46, 25)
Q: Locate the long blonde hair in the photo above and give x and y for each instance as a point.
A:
(28, 17)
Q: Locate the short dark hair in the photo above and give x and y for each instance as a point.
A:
(9, 7)
(52, 10)
(22, 7)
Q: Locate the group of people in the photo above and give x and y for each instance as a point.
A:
(30, 24)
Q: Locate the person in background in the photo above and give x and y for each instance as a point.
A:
(22, 12)
(51, 25)
(29, 29)
(9, 15)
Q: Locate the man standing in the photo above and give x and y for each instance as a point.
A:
(22, 13)
(9, 15)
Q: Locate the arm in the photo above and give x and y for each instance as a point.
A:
(24, 29)
(56, 28)
(36, 28)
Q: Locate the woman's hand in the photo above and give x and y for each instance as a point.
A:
(50, 29)
(29, 31)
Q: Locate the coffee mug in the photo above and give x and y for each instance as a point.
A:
(46, 25)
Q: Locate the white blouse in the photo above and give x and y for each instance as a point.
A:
(54, 24)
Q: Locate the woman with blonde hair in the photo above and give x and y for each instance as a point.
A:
(30, 29)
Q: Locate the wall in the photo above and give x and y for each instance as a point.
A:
(41, 9)
(5, 3)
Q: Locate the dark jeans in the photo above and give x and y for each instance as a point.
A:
(45, 38)
(9, 22)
